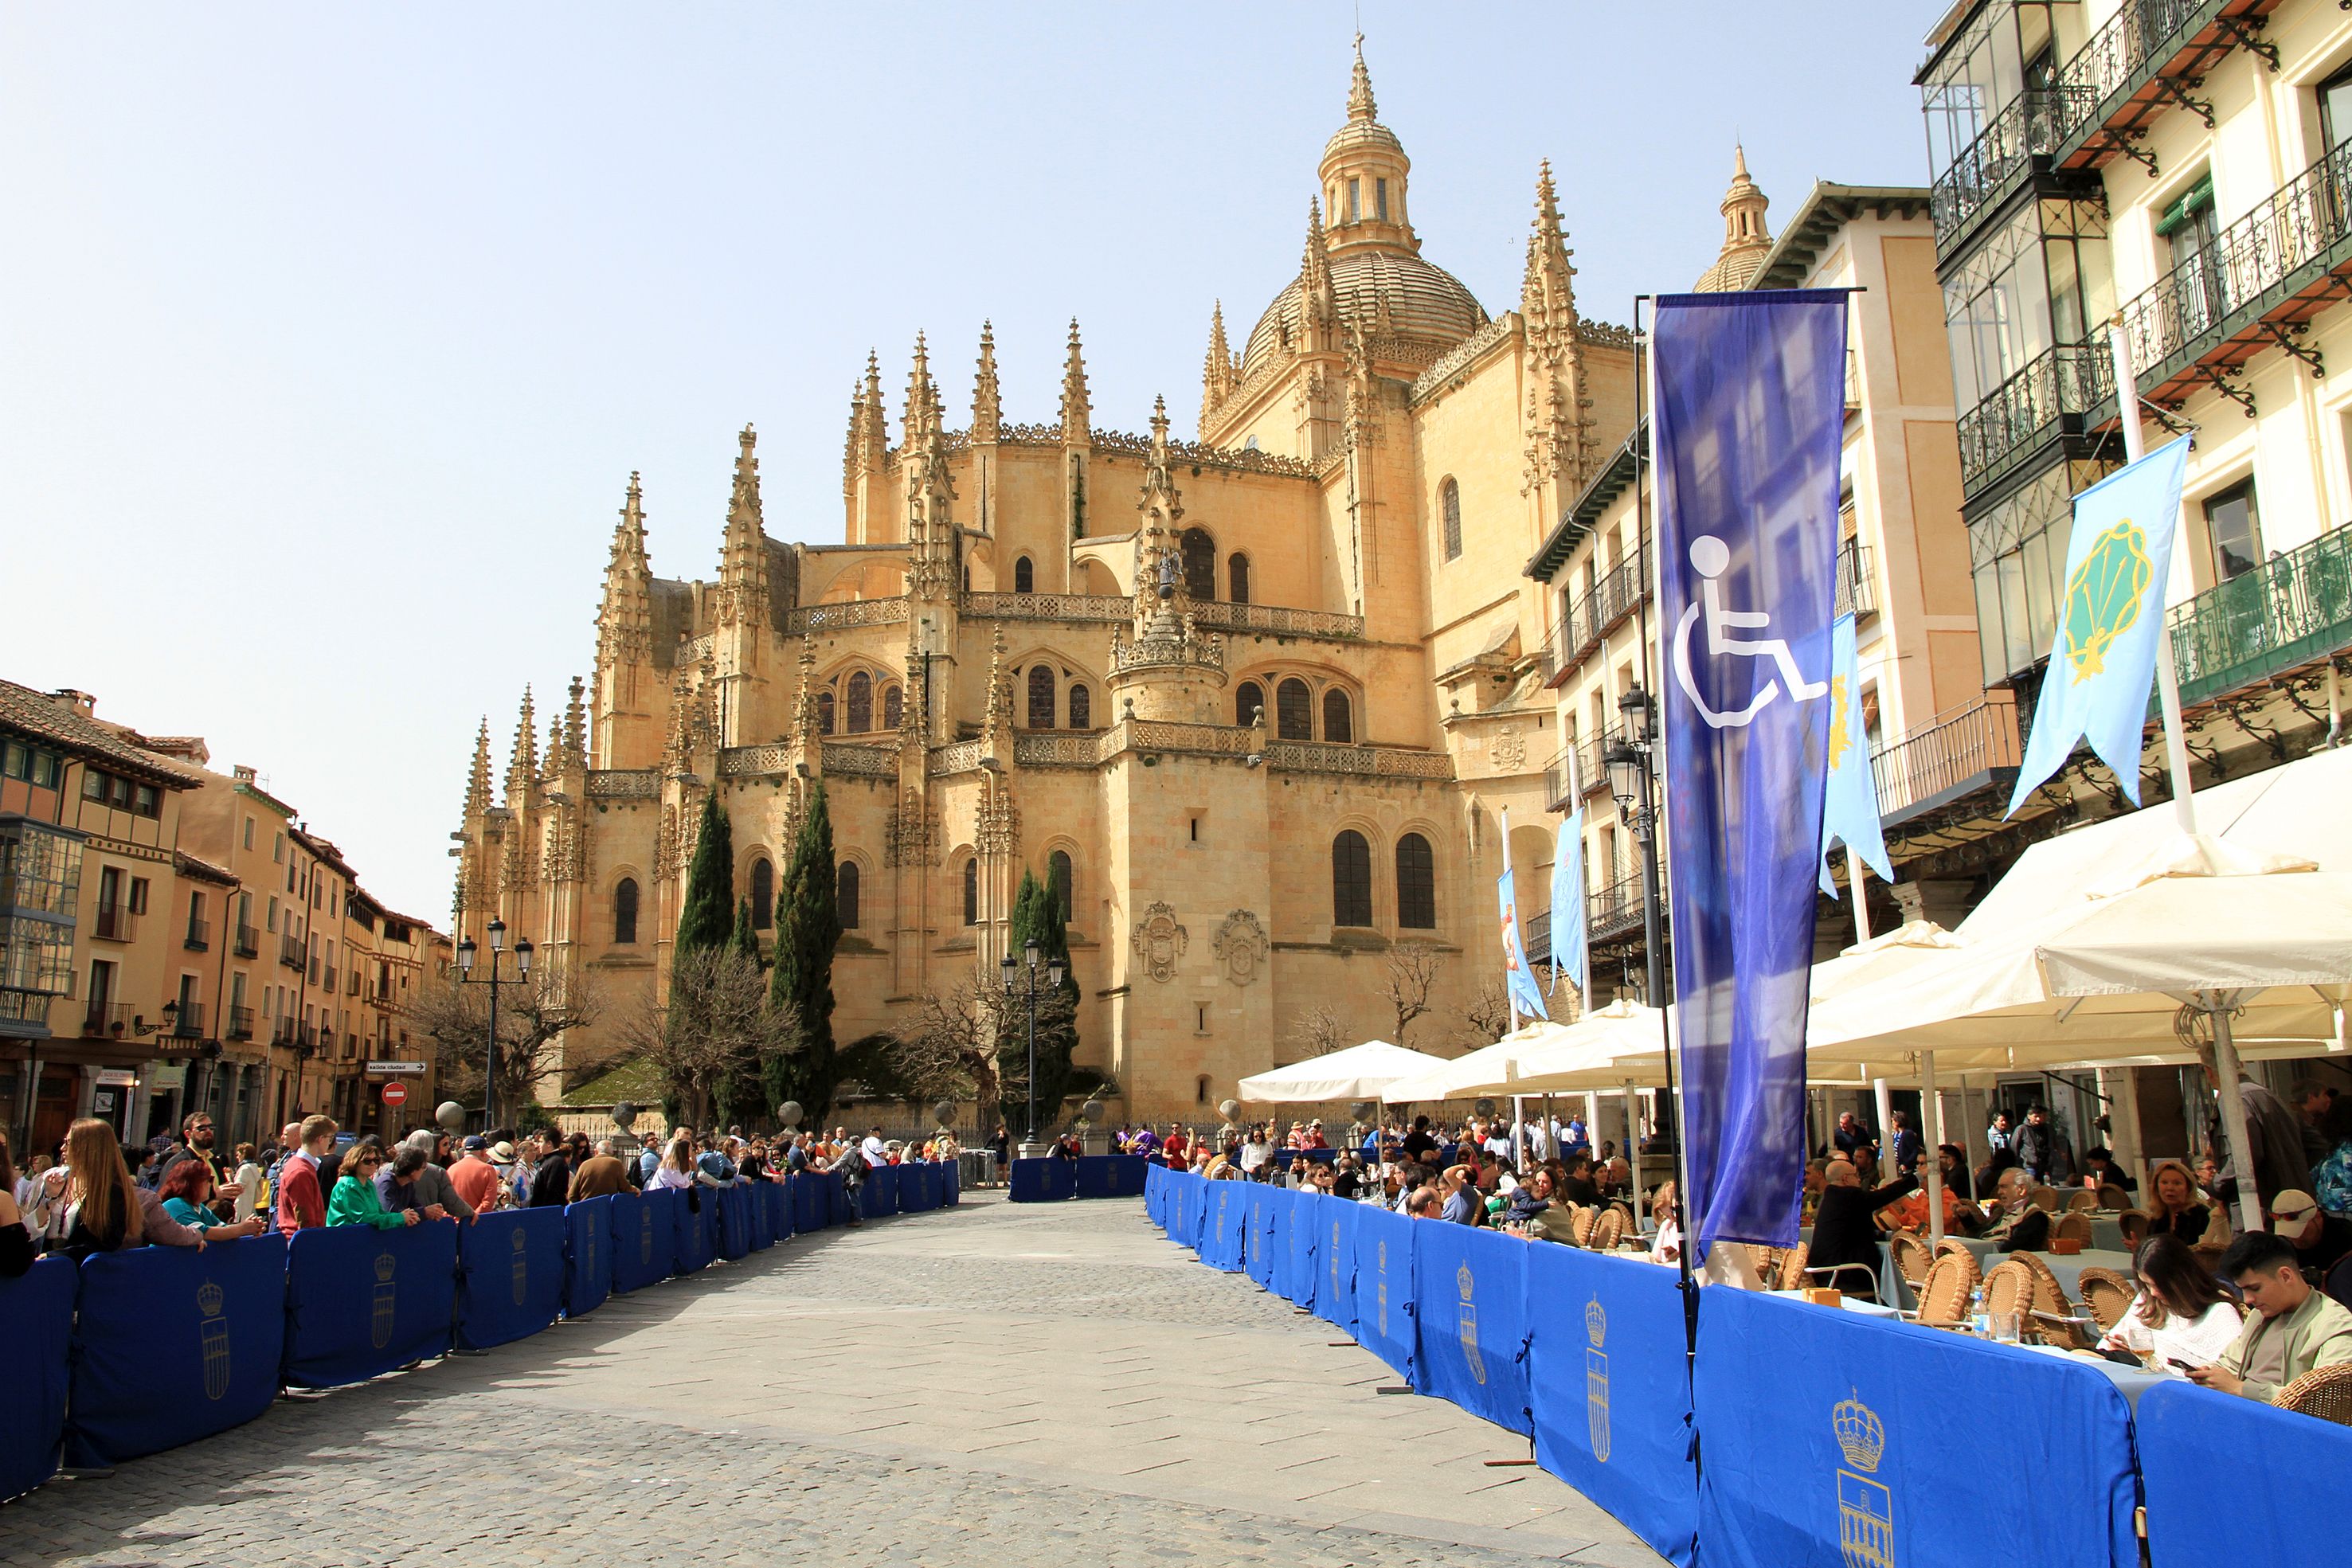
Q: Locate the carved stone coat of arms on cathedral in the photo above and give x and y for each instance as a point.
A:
(1160, 941)
(1241, 946)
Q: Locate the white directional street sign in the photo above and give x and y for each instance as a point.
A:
(389, 1068)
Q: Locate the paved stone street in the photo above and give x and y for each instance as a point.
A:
(985, 1385)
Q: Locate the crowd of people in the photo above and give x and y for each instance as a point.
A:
(97, 1194)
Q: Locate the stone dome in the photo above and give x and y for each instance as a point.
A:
(1426, 303)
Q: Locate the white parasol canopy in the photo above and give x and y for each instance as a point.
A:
(1359, 1072)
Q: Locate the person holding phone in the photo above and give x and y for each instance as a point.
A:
(2290, 1330)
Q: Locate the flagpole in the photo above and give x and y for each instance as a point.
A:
(1510, 997)
(1854, 875)
(2167, 678)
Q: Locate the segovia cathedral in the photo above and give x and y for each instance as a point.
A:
(1265, 697)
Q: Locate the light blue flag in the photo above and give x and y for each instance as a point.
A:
(1568, 904)
(2102, 658)
(1850, 799)
(1525, 995)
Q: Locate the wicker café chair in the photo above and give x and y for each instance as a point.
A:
(1951, 1245)
(1943, 1296)
(2008, 1292)
(2112, 1197)
(1580, 1226)
(2327, 1394)
(2074, 1225)
(1608, 1230)
(2105, 1295)
(2134, 1225)
(2044, 1198)
(2082, 1200)
(1911, 1257)
(1792, 1275)
(2050, 1313)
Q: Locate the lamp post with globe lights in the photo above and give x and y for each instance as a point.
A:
(466, 955)
(1006, 967)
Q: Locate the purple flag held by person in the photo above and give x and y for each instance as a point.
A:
(1751, 408)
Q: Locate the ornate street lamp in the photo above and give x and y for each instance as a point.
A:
(1006, 967)
(466, 951)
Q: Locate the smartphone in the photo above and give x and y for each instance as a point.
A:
(2176, 1361)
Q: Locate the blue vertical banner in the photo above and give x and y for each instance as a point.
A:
(1567, 904)
(1750, 394)
(1850, 798)
(2103, 656)
(1525, 996)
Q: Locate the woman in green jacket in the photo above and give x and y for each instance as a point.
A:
(354, 1199)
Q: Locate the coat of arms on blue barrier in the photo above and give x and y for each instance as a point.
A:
(1464, 1280)
(386, 1299)
(1596, 1378)
(645, 1236)
(1384, 1290)
(1865, 1508)
(521, 1269)
(214, 1330)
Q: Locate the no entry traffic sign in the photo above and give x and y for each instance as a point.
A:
(395, 1093)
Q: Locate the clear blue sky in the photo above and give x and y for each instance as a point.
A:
(333, 332)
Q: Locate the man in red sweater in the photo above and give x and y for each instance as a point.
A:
(301, 1201)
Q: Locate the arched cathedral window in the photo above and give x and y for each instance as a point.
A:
(1199, 554)
(763, 894)
(1449, 505)
(894, 706)
(824, 712)
(1351, 879)
(971, 892)
(1416, 884)
(1040, 696)
(1060, 875)
(861, 703)
(845, 894)
(1338, 717)
(1237, 578)
(1294, 711)
(625, 913)
(1249, 703)
(1082, 706)
(1024, 576)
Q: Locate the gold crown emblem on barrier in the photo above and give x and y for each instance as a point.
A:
(1596, 1323)
(209, 1299)
(516, 1242)
(384, 1266)
(1463, 1278)
(1859, 1433)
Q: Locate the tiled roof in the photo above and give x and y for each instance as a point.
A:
(202, 870)
(59, 723)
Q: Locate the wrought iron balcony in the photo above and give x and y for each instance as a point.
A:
(2151, 56)
(115, 922)
(1614, 909)
(2291, 608)
(1559, 782)
(1960, 752)
(2266, 275)
(1857, 580)
(290, 951)
(240, 1022)
(188, 1022)
(1615, 595)
(2032, 126)
(107, 1021)
(198, 937)
(247, 944)
(2052, 395)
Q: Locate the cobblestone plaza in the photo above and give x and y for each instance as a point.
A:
(982, 1384)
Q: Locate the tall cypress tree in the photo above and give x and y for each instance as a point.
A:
(745, 937)
(808, 929)
(1036, 916)
(706, 918)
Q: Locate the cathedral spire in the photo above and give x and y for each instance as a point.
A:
(996, 726)
(1218, 372)
(919, 394)
(1362, 110)
(1077, 414)
(987, 404)
(1318, 303)
(1747, 239)
(932, 571)
(575, 728)
(524, 765)
(625, 620)
(743, 554)
(477, 780)
(1159, 508)
(1547, 296)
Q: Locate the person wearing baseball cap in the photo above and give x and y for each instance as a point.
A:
(2321, 1241)
(475, 1179)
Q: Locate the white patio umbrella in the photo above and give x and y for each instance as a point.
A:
(1359, 1072)
(2252, 941)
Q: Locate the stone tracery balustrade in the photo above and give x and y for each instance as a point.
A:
(752, 762)
(1076, 749)
(1375, 761)
(1051, 606)
(1276, 619)
(856, 760)
(962, 756)
(624, 783)
(840, 617)
(1461, 354)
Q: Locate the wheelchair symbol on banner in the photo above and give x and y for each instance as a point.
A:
(1710, 556)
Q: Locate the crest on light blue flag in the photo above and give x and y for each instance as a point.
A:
(1568, 904)
(1525, 995)
(1850, 798)
(2103, 656)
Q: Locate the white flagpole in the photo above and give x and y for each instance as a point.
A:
(1854, 871)
(2167, 678)
(1510, 997)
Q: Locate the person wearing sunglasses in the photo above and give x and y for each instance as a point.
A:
(354, 1200)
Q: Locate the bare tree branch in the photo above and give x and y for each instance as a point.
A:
(1318, 1032)
(718, 1019)
(1487, 1019)
(949, 1048)
(536, 1014)
(1412, 972)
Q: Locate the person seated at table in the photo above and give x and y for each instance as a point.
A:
(1527, 1200)
(2099, 1169)
(1726, 1263)
(1577, 1186)
(1423, 1203)
(1816, 1178)
(1842, 1231)
(1615, 1180)
(2180, 1315)
(1466, 1204)
(1909, 1212)
(2180, 1210)
(2293, 1328)
(2321, 1241)
(2018, 1224)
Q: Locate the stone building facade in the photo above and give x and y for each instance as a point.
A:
(1268, 693)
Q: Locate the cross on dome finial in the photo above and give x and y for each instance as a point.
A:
(1359, 87)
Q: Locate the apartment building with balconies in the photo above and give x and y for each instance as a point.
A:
(2184, 167)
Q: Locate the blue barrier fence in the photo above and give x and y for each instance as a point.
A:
(1050, 1179)
(132, 1353)
(1825, 1435)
